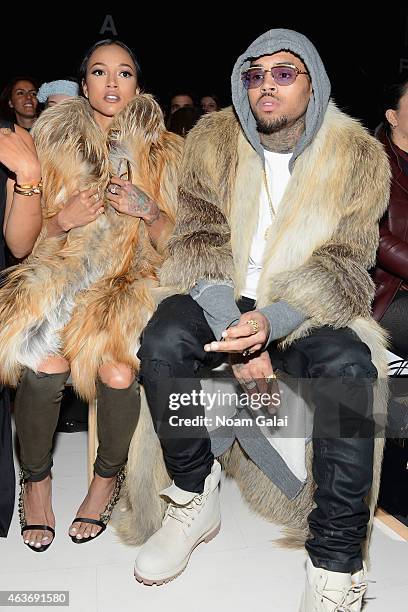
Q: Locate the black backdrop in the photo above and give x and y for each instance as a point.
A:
(194, 47)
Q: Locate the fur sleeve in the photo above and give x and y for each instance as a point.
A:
(200, 246)
(334, 286)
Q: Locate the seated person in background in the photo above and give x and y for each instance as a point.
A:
(54, 92)
(390, 306)
(209, 104)
(20, 218)
(177, 101)
(18, 102)
(181, 100)
(183, 120)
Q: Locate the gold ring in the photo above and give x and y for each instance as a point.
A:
(5, 130)
(270, 378)
(255, 326)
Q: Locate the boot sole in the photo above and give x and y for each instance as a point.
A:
(159, 581)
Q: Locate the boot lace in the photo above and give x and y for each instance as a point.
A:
(350, 597)
(187, 513)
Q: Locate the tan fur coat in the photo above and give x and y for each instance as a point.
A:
(89, 294)
(323, 240)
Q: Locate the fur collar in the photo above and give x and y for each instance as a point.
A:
(74, 151)
(341, 158)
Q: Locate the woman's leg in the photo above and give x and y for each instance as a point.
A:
(117, 417)
(36, 412)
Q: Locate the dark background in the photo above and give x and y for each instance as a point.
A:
(195, 47)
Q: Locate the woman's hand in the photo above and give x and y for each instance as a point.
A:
(248, 336)
(81, 208)
(130, 200)
(18, 154)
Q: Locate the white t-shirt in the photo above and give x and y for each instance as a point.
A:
(278, 175)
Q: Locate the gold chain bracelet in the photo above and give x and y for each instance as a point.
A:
(28, 189)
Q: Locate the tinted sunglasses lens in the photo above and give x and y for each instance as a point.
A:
(252, 78)
(284, 75)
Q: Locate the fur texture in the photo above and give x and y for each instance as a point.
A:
(140, 510)
(324, 239)
(89, 296)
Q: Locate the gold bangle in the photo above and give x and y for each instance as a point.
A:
(29, 185)
(28, 189)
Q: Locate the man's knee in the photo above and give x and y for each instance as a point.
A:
(170, 331)
(344, 357)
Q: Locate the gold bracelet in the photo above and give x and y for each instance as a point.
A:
(28, 189)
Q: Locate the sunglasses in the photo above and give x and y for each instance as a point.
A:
(282, 75)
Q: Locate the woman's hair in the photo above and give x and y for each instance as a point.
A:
(214, 97)
(5, 111)
(105, 43)
(391, 99)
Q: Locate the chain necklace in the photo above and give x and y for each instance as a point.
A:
(271, 208)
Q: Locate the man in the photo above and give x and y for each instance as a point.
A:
(279, 207)
(181, 100)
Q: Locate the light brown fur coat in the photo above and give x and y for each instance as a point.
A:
(88, 295)
(323, 241)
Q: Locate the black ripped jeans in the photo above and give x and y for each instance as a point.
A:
(172, 357)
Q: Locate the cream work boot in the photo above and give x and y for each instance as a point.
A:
(190, 518)
(328, 591)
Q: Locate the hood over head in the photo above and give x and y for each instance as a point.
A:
(271, 42)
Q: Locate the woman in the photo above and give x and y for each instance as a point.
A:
(81, 300)
(55, 92)
(19, 102)
(20, 220)
(390, 306)
(209, 104)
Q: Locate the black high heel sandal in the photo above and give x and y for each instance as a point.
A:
(104, 518)
(23, 523)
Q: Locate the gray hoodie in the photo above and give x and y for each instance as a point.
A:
(217, 300)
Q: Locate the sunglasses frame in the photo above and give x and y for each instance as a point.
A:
(264, 71)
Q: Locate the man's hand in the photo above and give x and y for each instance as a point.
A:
(130, 200)
(253, 373)
(241, 337)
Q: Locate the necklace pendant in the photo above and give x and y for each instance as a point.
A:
(267, 232)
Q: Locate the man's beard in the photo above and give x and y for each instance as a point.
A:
(272, 126)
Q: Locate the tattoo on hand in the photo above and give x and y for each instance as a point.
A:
(139, 202)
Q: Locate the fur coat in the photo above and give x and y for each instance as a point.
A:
(87, 295)
(324, 238)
